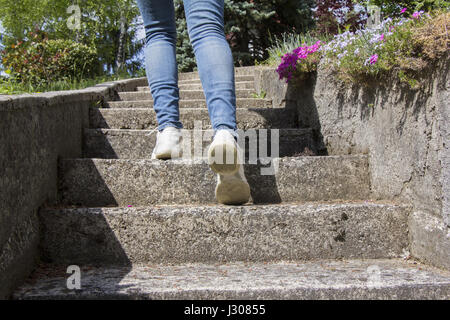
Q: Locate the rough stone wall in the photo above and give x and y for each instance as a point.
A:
(36, 130)
(405, 132)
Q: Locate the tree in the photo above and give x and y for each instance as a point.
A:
(333, 16)
(108, 25)
(185, 52)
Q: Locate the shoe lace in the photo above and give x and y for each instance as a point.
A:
(151, 132)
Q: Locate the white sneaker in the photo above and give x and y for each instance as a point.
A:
(223, 153)
(168, 144)
(224, 158)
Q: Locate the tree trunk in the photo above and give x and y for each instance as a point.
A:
(120, 58)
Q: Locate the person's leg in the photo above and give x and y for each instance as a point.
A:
(214, 60)
(216, 70)
(160, 59)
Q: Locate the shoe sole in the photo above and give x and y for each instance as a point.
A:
(162, 156)
(166, 155)
(222, 166)
(232, 191)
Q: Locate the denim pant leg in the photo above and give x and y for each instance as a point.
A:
(160, 59)
(214, 60)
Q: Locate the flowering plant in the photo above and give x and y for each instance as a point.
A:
(301, 59)
(401, 45)
(417, 14)
(375, 50)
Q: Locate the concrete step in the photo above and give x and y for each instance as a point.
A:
(196, 80)
(105, 182)
(190, 234)
(184, 94)
(249, 70)
(145, 118)
(198, 86)
(139, 144)
(199, 103)
(239, 71)
(377, 279)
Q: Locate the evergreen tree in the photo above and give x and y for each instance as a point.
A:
(248, 26)
(185, 52)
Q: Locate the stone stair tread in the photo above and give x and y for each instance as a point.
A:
(145, 118)
(100, 182)
(184, 94)
(217, 233)
(286, 131)
(189, 103)
(238, 71)
(192, 90)
(347, 279)
(198, 86)
(196, 79)
(138, 144)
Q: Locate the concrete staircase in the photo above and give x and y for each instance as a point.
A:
(149, 229)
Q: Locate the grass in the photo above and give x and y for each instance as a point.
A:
(261, 95)
(9, 86)
(287, 43)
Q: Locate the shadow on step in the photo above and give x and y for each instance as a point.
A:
(84, 238)
(300, 97)
(263, 188)
(74, 235)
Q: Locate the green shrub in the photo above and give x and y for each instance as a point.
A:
(41, 60)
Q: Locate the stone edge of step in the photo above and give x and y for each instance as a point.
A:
(324, 279)
(290, 160)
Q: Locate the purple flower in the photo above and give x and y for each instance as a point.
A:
(417, 14)
(373, 59)
(290, 60)
(288, 65)
(382, 37)
(403, 10)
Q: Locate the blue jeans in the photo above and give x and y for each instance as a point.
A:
(212, 52)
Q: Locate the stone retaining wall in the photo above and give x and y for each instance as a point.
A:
(36, 130)
(405, 132)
